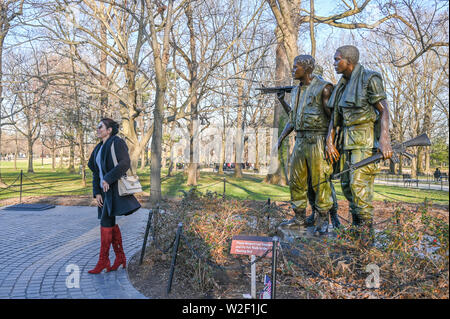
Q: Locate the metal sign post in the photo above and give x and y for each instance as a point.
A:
(274, 267)
(253, 275)
(252, 246)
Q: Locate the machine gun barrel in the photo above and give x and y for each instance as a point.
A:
(275, 89)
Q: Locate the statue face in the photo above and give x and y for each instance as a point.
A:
(298, 71)
(340, 64)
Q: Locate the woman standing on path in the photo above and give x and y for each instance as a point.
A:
(105, 191)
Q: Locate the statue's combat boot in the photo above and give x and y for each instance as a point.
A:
(321, 223)
(297, 222)
(311, 218)
(334, 218)
(367, 233)
(363, 230)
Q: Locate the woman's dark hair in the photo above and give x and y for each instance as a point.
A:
(109, 123)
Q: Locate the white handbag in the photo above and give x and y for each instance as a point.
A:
(129, 183)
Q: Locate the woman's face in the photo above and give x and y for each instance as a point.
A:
(102, 131)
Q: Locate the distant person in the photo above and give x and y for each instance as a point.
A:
(105, 191)
(437, 174)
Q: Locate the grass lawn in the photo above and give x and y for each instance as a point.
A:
(60, 182)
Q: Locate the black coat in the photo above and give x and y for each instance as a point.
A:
(116, 205)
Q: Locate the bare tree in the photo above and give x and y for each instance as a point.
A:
(160, 48)
(422, 27)
(28, 87)
(9, 10)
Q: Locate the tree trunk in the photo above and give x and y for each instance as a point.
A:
(82, 156)
(222, 151)
(160, 62)
(72, 158)
(142, 166)
(30, 155)
(134, 158)
(238, 146)
(277, 173)
(414, 167)
(420, 152)
(16, 153)
(155, 166)
(193, 87)
(246, 149)
(146, 155)
(311, 29)
(53, 159)
(256, 167)
(103, 78)
(193, 152)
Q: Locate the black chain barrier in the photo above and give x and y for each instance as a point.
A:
(32, 183)
(10, 185)
(50, 188)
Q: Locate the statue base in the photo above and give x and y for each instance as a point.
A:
(290, 234)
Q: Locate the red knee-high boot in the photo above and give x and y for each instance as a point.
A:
(118, 249)
(106, 235)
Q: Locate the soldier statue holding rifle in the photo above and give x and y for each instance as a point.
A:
(362, 114)
(309, 117)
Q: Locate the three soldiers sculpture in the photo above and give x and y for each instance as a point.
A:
(356, 108)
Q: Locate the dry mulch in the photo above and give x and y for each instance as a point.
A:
(151, 278)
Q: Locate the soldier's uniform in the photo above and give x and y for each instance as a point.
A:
(308, 164)
(355, 113)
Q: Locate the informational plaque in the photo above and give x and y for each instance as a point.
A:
(251, 245)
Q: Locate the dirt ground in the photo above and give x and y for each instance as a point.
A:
(151, 278)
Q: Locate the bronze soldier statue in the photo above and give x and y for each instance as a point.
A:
(362, 113)
(309, 117)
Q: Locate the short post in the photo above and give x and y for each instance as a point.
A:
(253, 275)
(224, 187)
(21, 179)
(274, 267)
(147, 229)
(174, 256)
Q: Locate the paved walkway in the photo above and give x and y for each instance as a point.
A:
(40, 252)
(420, 185)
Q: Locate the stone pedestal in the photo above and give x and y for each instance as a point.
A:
(289, 234)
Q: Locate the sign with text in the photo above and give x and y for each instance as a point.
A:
(251, 245)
